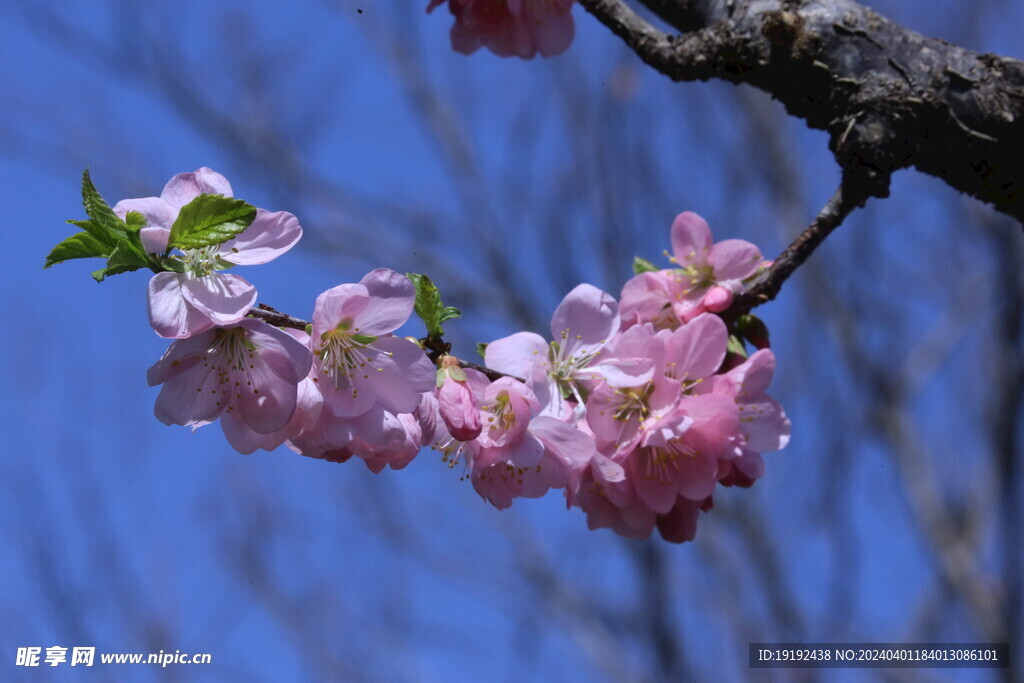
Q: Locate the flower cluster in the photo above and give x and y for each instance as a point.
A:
(668, 409)
(636, 409)
(520, 28)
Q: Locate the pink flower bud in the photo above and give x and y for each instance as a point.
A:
(717, 299)
(459, 408)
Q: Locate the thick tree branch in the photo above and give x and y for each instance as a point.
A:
(889, 97)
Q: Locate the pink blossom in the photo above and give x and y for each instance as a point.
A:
(679, 455)
(511, 27)
(249, 371)
(519, 453)
(656, 298)
(187, 303)
(764, 426)
(706, 264)
(608, 499)
(584, 322)
(358, 362)
(618, 415)
(396, 445)
(707, 279)
(307, 410)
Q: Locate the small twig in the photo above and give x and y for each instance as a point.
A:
(275, 317)
(766, 287)
(435, 347)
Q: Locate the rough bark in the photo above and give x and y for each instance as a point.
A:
(889, 97)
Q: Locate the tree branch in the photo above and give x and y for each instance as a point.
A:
(434, 347)
(766, 287)
(889, 97)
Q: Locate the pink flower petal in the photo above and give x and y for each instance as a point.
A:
(622, 372)
(184, 187)
(516, 354)
(191, 397)
(392, 297)
(697, 349)
(691, 239)
(158, 213)
(654, 490)
(222, 297)
(734, 259)
(563, 442)
(245, 440)
(169, 314)
(459, 409)
(269, 236)
(338, 304)
(348, 396)
(402, 373)
(154, 240)
(587, 317)
(178, 358)
(764, 424)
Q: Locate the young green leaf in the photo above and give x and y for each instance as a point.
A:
(753, 330)
(103, 223)
(481, 348)
(428, 306)
(448, 313)
(127, 257)
(135, 221)
(736, 346)
(642, 265)
(210, 219)
(79, 245)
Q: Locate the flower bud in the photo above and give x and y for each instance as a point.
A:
(458, 406)
(717, 299)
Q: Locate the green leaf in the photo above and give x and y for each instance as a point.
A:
(124, 259)
(736, 346)
(481, 348)
(103, 224)
(364, 338)
(429, 307)
(210, 219)
(448, 313)
(754, 330)
(134, 221)
(79, 245)
(642, 265)
(127, 257)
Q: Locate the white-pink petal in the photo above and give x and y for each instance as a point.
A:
(392, 298)
(337, 304)
(269, 236)
(691, 239)
(169, 314)
(222, 297)
(734, 259)
(516, 354)
(586, 317)
(184, 187)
